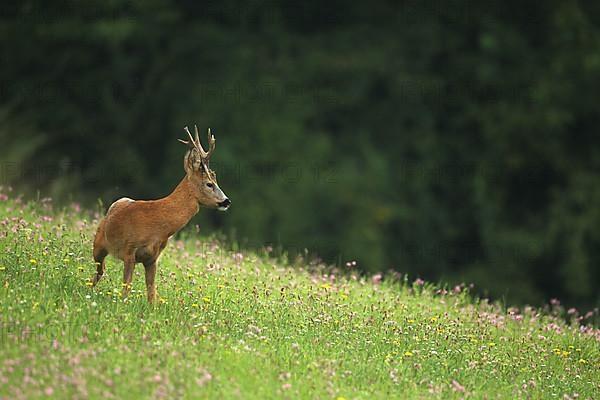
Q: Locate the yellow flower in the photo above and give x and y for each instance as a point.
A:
(582, 361)
(326, 286)
(566, 353)
(408, 354)
(33, 261)
(411, 321)
(89, 284)
(2, 268)
(206, 299)
(220, 286)
(195, 305)
(163, 300)
(491, 344)
(433, 319)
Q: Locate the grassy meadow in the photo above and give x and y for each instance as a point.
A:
(236, 324)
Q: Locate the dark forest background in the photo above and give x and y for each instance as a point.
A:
(455, 141)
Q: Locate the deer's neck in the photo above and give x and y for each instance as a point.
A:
(181, 205)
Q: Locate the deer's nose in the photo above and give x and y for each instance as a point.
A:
(225, 203)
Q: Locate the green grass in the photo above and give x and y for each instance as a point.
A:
(242, 325)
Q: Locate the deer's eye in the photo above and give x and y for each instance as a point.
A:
(210, 185)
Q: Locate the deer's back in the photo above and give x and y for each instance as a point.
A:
(130, 225)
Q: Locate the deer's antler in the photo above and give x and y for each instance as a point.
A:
(195, 143)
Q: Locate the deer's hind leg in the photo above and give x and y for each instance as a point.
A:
(129, 264)
(99, 259)
(150, 280)
(150, 265)
(99, 253)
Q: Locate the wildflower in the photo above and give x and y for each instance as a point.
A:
(433, 319)
(163, 300)
(388, 358)
(88, 283)
(582, 361)
(195, 305)
(206, 300)
(457, 387)
(376, 279)
(2, 268)
(419, 282)
(326, 286)
(408, 354)
(33, 261)
(204, 378)
(285, 375)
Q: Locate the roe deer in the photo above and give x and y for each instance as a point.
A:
(137, 231)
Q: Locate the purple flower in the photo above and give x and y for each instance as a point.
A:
(376, 279)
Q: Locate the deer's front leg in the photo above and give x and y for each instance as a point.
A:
(127, 276)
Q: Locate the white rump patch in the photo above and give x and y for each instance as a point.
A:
(121, 200)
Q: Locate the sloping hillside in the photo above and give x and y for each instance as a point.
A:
(243, 325)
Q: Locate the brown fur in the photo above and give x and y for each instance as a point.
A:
(138, 231)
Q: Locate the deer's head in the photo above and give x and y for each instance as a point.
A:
(203, 179)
